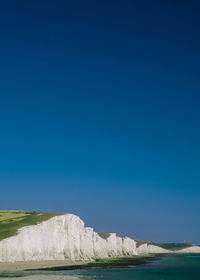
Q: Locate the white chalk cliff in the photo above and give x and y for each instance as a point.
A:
(66, 237)
(192, 249)
(150, 249)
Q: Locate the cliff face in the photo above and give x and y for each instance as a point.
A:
(151, 249)
(63, 237)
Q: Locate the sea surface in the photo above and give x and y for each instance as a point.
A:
(184, 267)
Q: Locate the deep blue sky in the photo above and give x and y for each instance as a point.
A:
(99, 113)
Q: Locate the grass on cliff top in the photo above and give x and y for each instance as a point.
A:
(104, 235)
(11, 221)
(167, 246)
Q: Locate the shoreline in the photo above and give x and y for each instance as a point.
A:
(104, 263)
(19, 270)
(43, 277)
(23, 265)
(15, 268)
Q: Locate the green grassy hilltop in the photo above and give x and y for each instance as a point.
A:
(11, 221)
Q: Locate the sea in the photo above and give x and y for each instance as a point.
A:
(176, 267)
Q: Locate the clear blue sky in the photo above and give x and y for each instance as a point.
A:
(99, 113)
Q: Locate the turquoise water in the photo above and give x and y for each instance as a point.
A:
(184, 267)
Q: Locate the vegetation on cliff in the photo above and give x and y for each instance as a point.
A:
(12, 221)
(104, 235)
